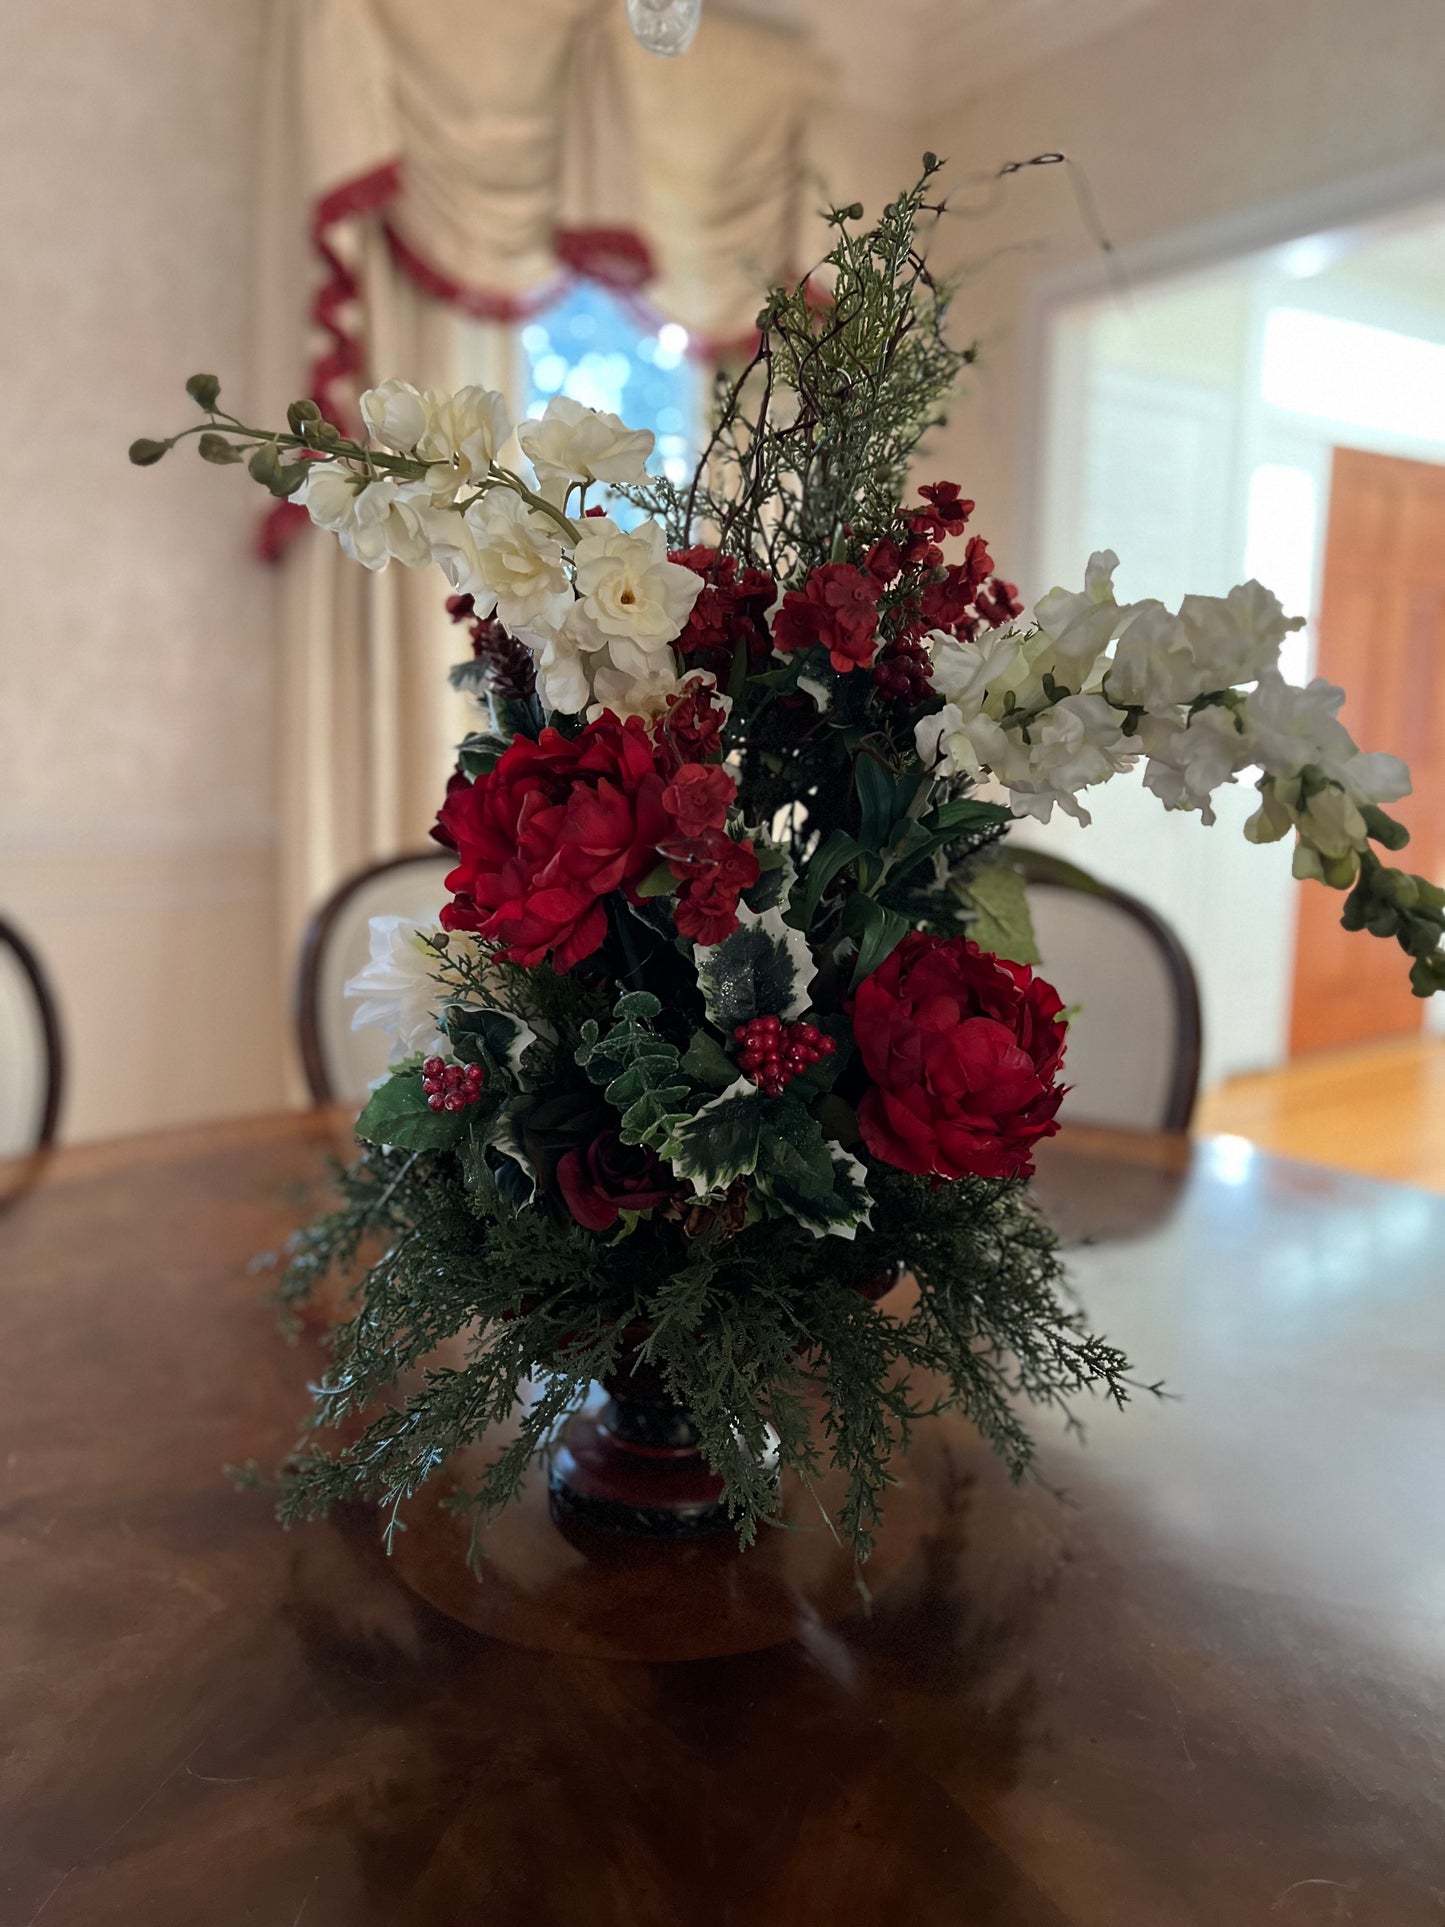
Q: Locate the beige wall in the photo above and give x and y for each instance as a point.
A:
(1192, 112)
(136, 825)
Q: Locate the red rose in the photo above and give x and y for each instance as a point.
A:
(699, 797)
(732, 609)
(714, 871)
(837, 608)
(963, 1050)
(554, 828)
(609, 1177)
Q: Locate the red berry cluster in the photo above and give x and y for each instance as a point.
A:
(450, 1087)
(903, 672)
(774, 1053)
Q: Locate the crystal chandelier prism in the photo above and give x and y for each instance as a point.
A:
(665, 26)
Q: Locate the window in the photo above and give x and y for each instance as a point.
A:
(590, 346)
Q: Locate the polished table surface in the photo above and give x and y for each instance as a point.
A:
(1209, 1687)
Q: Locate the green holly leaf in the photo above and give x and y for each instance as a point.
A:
(802, 1174)
(706, 1062)
(399, 1115)
(720, 1143)
(764, 968)
(995, 895)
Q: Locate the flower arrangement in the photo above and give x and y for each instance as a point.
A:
(731, 1015)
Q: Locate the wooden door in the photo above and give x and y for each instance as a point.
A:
(1382, 637)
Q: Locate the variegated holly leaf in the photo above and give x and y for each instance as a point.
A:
(804, 1175)
(719, 1144)
(764, 968)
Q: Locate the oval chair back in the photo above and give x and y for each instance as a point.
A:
(32, 1073)
(341, 1063)
(1135, 1041)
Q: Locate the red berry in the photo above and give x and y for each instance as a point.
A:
(433, 1067)
(436, 1101)
(827, 1045)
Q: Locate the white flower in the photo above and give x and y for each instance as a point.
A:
(563, 674)
(631, 593)
(464, 431)
(519, 563)
(1215, 642)
(1081, 624)
(1189, 760)
(396, 415)
(374, 521)
(1073, 745)
(1291, 727)
(964, 672)
(572, 444)
(400, 987)
(626, 694)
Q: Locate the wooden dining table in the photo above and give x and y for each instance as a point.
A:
(1194, 1675)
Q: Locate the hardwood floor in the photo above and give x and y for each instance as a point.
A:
(1378, 1109)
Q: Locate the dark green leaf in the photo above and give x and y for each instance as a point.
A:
(764, 968)
(883, 801)
(706, 1062)
(398, 1114)
(839, 849)
(878, 931)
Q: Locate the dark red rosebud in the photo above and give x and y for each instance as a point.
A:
(459, 607)
(593, 511)
(607, 1177)
(963, 1051)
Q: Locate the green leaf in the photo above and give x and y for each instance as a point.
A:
(398, 1114)
(659, 882)
(706, 1062)
(764, 968)
(640, 1071)
(720, 1144)
(878, 932)
(1001, 923)
(205, 391)
(479, 753)
(212, 447)
(838, 849)
(883, 801)
(492, 1038)
(146, 452)
(776, 876)
(812, 1180)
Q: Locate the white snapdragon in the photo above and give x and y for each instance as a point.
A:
(1189, 758)
(1073, 745)
(1164, 661)
(376, 521)
(519, 563)
(630, 593)
(572, 445)
(398, 989)
(1080, 624)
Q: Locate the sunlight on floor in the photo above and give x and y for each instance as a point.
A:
(1378, 1110)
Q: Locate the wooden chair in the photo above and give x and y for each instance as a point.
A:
(32, 1067)
(341, 1063)
(1135, 1043)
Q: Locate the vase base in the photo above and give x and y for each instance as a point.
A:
(564, 1578)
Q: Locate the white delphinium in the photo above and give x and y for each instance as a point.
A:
(399, 987)
(375, 521)
(572, 445)
(519, 562)
(635, 599)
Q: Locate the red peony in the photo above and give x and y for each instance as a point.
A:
(554, 828)
(731, 610)
(838, 609)
(609, 1177)
(963, 1050)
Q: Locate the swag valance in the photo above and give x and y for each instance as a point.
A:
(508, 145)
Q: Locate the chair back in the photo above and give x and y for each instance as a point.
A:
(1135, 1040)
(31, 1066)
(341, 1063)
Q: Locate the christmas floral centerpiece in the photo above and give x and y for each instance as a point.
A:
(731, 1018)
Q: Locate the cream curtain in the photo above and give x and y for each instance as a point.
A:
(423, 159)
